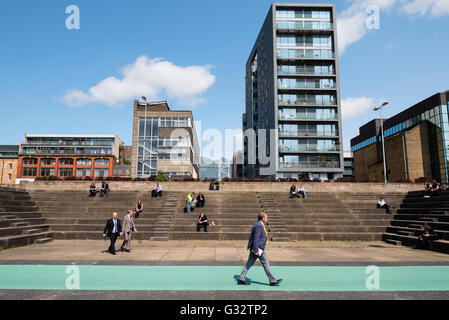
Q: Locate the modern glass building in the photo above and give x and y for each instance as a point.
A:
(163, 140)
(292, 86)
(430, 116)
(68, 155)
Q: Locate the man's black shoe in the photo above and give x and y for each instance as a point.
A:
(243, 282)
(276, 282)
(112, 252)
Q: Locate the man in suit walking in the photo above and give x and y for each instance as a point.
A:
(128, 229)
(112, 230)
(257, 242)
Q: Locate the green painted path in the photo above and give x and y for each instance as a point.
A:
(304, 278)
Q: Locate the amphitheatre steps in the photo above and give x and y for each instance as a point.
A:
(414, 211)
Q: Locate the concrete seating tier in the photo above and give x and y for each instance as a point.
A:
(329, 216)
(20, 222)
(322, 216)
(416, 210)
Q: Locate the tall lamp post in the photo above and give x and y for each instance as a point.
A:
(383, 140)
(144, 136)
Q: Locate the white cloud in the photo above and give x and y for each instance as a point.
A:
(153, 78)
(353, 107)
(351, 22)
(422, 7)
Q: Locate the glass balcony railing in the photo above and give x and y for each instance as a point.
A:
(310, 148)
(308, 116)
(305, 54)
(310, 164)
(301, 71)
(290, 25)
(307, 133)
(308, 102)
(301, 85)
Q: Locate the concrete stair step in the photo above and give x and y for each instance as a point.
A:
(43, 240)
(394, 242)
(280, 239)
(20, 224)
(31, 231)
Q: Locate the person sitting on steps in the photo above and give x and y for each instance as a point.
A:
(104, 189)
(301, 191)
(381, 204)
(202, 222)
(293, 193)
(92, 190)
(157, 191)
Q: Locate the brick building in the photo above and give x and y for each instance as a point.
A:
(416, 144)
(68, 155)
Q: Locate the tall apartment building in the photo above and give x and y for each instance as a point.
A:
(163, 140)
(292, 86)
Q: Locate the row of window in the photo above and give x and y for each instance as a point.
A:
(66, 150)
(72, 141)
(364, 144)
(63, 172)
(301, 25)
(65, 162)
(310, 99)
(308, 113)
(304, 14)
(302, 145)
(306, 69)
(305, 54)
(304, 41)
(306, 83)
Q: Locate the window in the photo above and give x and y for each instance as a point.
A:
(46, 172)
(30, 162)
(10, 166)
(101, 173)
(65, 172)
(29, 172)
(83, 162)
(101, 162)
(83, 172)
(48, 162)
(66, 162)
(9, 176)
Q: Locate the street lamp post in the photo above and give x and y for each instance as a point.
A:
(383, 139)
(144, 136)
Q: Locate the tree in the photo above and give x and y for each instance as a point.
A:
(161, 176)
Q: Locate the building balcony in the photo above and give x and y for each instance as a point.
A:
(309, 86)
(308, 102)
(310, 164)
(308, 116)
(302, 25)
(304, 72)
(308, 133)
(310, 148)
(293, 54)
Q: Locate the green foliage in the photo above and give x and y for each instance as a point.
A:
(161, 176)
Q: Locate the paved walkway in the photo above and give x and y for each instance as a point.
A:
(199, 270)
(221, 253)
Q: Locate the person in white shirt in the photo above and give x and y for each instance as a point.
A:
(382, 204)
(302, 191)
(157, 191)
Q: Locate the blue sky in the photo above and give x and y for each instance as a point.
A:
(404, 61)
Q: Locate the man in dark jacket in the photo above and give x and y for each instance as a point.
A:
(257, 242)
(112, 230)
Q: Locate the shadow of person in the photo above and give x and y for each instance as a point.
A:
(237, 277)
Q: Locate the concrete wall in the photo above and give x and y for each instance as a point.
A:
(226, 186)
